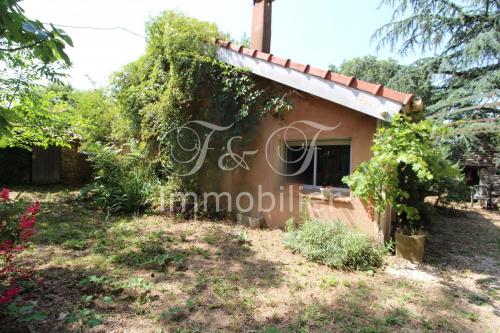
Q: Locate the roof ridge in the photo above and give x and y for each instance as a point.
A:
(348, 81)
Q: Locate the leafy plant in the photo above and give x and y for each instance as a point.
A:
(329, 281)
(85, 317)
(408, 78)
(25, 312)
(139, 286)
(177, 313)
(124, 182)
(40, 119)
(17, 227)
(18, 32)
(96, 283)
(29, 53)
(460, 43)
(463, 38)
(241, 237)
(161, 261)
(332, 243)
(405, 163)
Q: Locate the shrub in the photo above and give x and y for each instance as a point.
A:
(17, 227)
(332, 243)
(406, 165)
(123, 181)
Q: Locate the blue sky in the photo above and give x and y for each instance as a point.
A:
(318, 32)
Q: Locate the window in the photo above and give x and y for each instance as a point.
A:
(324, 164)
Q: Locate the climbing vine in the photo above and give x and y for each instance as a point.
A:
(406, 164)
(180, 81)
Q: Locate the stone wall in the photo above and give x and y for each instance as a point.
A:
(485, 156)
(75, 169)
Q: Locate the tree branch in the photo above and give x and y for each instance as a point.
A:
(22, 47)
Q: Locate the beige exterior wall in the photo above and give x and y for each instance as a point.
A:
(357, 127)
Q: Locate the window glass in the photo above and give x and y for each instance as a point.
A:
(295, 158)
(332, 164)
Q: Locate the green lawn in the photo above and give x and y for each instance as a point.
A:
(153, 274)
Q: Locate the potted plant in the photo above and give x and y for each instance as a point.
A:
(410, 234)
(406, 161)
(327, 192)
(410, 247)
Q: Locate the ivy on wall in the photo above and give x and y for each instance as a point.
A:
(179, 80)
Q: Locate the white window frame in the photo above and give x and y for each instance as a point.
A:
(330, 142)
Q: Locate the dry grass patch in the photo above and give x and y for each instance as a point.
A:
(199, 276)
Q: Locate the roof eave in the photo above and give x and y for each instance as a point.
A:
(308, 79)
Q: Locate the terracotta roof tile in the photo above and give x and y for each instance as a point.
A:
(298, 67)
(222, 43)
(236, 48)
(318, 72)
(263, 56)
(377, 89)
(350, 81)
(249, 52)
(280, 61)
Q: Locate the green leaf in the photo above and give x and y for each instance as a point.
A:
(93, 322)
(72, 318)
(107, 299)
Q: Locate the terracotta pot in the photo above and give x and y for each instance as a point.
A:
(410, 247)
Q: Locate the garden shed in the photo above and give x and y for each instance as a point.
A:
(482, 163)
(44, 166)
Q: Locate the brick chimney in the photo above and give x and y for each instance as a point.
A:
(261, 25)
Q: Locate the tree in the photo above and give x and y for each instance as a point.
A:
(94, 116)
(19, 33)
(40, 118)
(465, 40)
(56, 114)
(29, 52)
(391, 74)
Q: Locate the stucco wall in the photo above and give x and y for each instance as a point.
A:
(357, 127)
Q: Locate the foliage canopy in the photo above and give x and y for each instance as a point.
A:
(405, 78)
(465, 40)
(29, 52)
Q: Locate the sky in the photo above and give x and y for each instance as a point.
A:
(317, 32)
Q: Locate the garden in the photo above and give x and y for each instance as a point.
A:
(107, 255)
(155, 273)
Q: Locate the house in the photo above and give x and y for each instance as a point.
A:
(353, 110)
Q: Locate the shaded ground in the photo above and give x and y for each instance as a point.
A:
(153, 274)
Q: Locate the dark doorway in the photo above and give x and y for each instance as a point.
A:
(471, 176)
